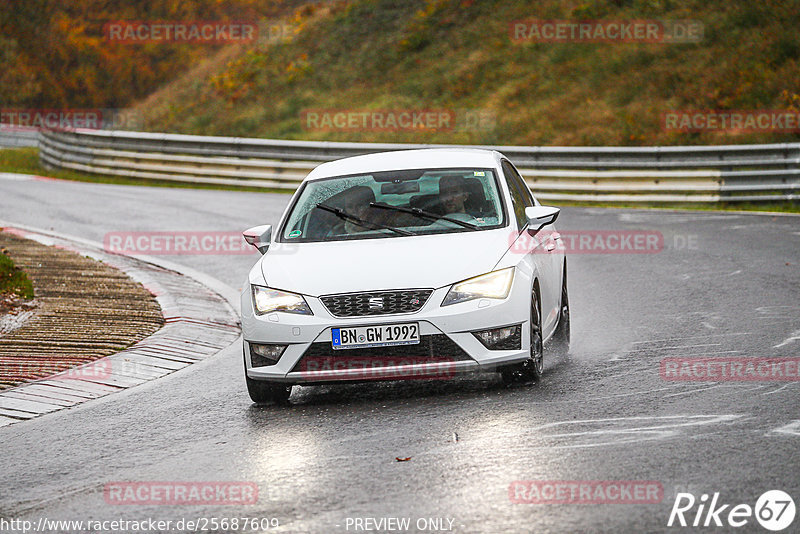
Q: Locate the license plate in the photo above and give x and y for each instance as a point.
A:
(375, 336)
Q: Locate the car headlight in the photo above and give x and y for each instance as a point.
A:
(267, 300)
(494, 285)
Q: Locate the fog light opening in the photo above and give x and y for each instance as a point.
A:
(504, 338)
(262, 355)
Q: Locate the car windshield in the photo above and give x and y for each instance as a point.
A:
(395, 203)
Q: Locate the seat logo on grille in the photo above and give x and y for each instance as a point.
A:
(376, 303)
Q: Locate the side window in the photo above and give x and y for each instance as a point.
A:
(523, 187)
(520, 198)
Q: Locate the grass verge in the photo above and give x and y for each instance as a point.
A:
(13, 280)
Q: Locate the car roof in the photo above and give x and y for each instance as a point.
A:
(426, 158)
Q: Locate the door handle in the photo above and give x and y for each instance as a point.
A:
(550, 246)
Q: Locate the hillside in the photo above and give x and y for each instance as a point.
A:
(457, 55)
(59, 55)
(454, 58)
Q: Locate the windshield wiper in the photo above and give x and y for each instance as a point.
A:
(339, 212)
(426, 214)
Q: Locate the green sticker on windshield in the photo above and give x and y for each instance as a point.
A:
(295, 233)
(479, 173)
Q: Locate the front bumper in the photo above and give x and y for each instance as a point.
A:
(310, 334)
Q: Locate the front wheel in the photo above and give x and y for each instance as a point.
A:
(262, 392)
(532, 368)
(561, 337)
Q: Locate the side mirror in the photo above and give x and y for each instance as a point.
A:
(259, 236)
(540, 216)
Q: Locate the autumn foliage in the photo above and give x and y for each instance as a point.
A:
(55, 55)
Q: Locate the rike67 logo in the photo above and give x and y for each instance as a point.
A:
(774, 510)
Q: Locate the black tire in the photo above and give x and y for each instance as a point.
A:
(262, 392)
(532, 368)
(562, 335)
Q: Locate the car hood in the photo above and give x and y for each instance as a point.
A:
(431, 261)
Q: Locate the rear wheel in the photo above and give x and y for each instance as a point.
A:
(561, 337)
(533, 367)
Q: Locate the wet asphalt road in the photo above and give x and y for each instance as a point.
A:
(724, 285)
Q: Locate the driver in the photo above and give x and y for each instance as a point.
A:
(356, 203)
(453, 194)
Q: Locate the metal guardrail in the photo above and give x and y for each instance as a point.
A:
(18, 137)
(728, 173)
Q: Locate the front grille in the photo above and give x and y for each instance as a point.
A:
(376, 302)
(436, 348)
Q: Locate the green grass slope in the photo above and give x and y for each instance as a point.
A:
(458, 55)
(13, 281)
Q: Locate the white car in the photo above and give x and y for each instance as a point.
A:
(399, 265)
